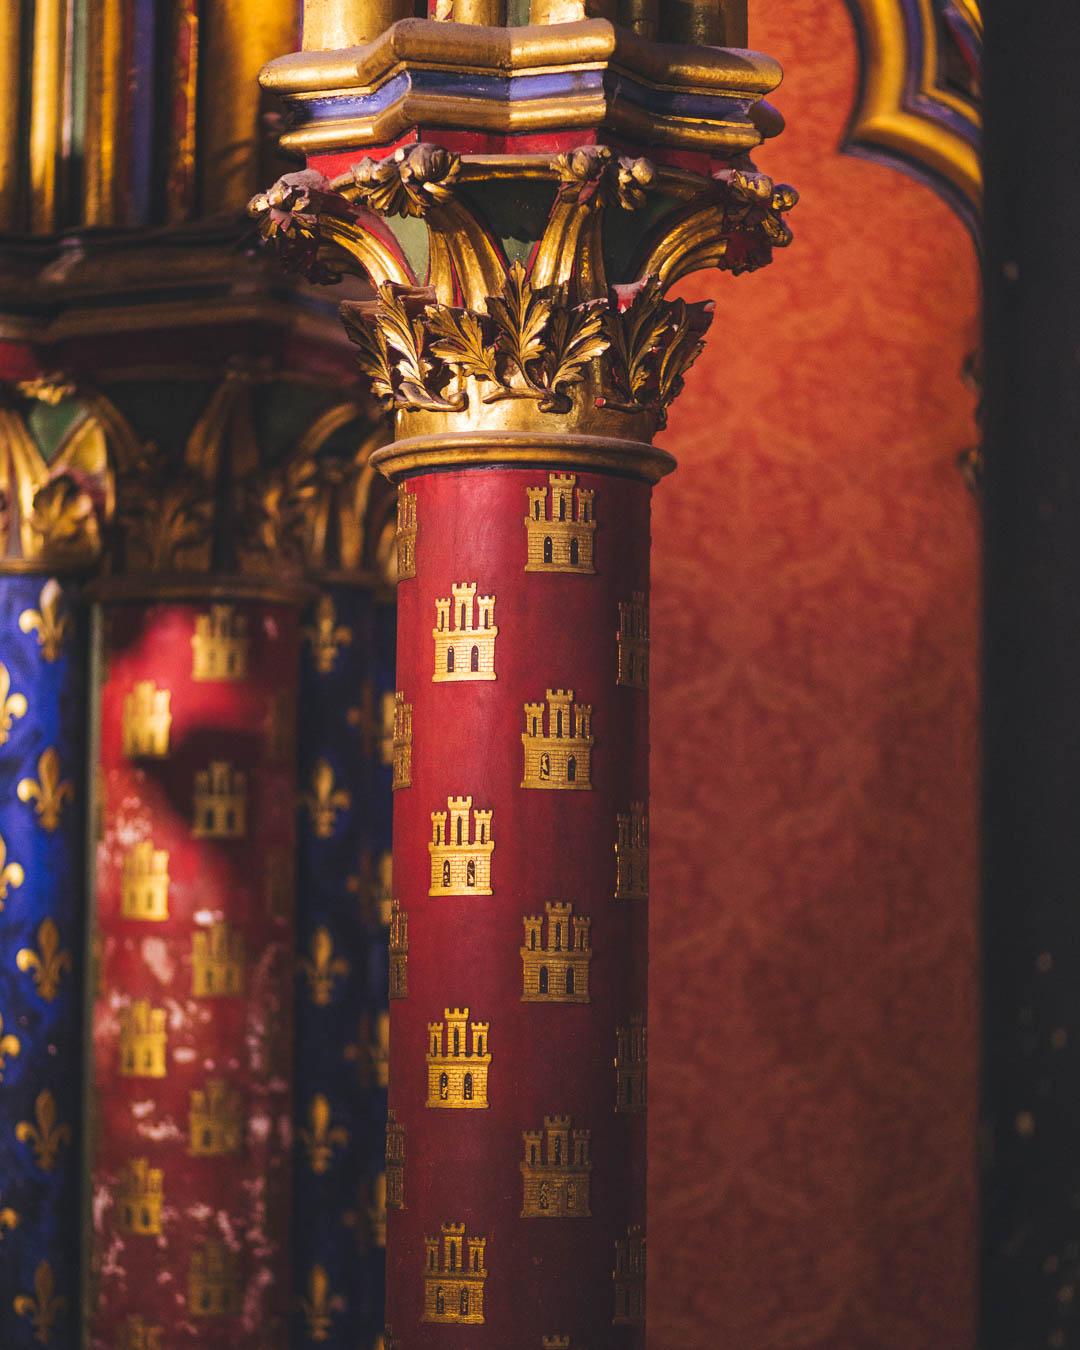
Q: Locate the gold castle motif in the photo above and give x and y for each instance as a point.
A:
(138, 1335)
(320, 1137)
(560, 540)
(460, 865)
(632, 854)
(556, 1171)
(219, 645)
(45, 1133)
(49, 963)
(144, 888)
(406, 533)
(399, 951)
(629, 1278)
(558, 748)
(215, 1120)
(395, 1161)
(326, 635)
(632, 642)
(142, 1040)
(12, 875)
(555, 964)
(457, 1071)
(140, 1198)
(555, 1343)
(325, 800)
(213, 1282)
(11, 705)
(376, 1211)
(631, 1066)
(322, 967)
(401, 744)
(220, 809)
(49, 791)
(43, 1306)
(50, 625)
(217, 961)
(454, 1276)
(147, 721)
(464, 633)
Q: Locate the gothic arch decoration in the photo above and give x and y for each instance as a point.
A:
(919, 105)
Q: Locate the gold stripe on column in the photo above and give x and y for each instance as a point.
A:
(46, 111)
(10, 91)
(104, 106)
(332, 24)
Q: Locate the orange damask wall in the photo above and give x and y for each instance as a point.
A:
(813, 1017)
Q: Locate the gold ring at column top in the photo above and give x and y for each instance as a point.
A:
(180, 586)
(486, 449)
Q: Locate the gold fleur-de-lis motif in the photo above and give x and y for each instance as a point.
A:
(11, 705)
(367, 719)
(322, 967)
(47, 621)
(11, 874)
(9, 1220)
(316, 1307)
(324, 800)
(9, 1048)
(321, 1138)
(326, 635)
(48, 963)
(370, 1052)
(47, 1134)
(49, 791)
(43, 1306)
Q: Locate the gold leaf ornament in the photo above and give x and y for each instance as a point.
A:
(47, 622)
(48, 964)
(49, 791)
(45, 1134)
(408, 183)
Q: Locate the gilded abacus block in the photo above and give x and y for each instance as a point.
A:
(142, 1041)
(629, 1278)
(458, 1061)
(461, 850)
(217, 961)
(464, 633)
(632, 854)
(631, 1067)
(219, 646)
(147, 720)
(560, 531)
(395, 1161)
(215, 1120)
(399, 951)
(406, 533)
(220, 803)
(558, 743)
(213, 1281)
(556, 1171)
(632, 642)
(139, 1198)
(555, 956)
(401, 745)
(455, 1273)
(144, 886)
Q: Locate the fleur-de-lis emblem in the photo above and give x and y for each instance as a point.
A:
(321, 1138)
(324, 800)
(46, 1135)
(11, 705)
(9, 1220)
(47, 621)
(11, 874)
(371, 1053)
(366, 719)
(322, 967)
(48, 791)
(316, 1307)
(42, 1307)
(48, 963)
(326, 635)
(9, 1048)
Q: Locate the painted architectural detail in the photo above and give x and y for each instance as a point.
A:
(560, 539)
(217, 961)
(465, 632)
(631, 1066)
(326, 635)
(558, 743)
(140, 1198)
(461, 852)
(320, 1137)
(555, 1343)
(406, 533)
(323, 968)
(147, 720)
(555, 1171)
(399, 951)
(220, 808)
(458, 1061)
(454, 1276)
(395, 1161)
(144, 887)
(632, 854)
(632, 642)
(219, 646)
(213, 1281)
(215, 1120)
(629, 1278)
(137, 1334)
(555, 962)
(401, 744)
(325, 799)
(142, 1040)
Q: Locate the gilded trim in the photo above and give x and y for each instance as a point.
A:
(485, 449)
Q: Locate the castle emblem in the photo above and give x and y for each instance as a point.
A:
(213, 1282)
(454, 1277)
(632, 854)
(632, 642)
(631, 1065)
(142, 1040)
(144, 887)
(465, 638)
(217, 961)
(395, 1161)
(560, 540)
(457, 1071)
(555, 963)
(215, 1121)
(140, 1198)
(399, 951)
(401, 743)
(219, 646)
(558, 746)
(138, 1335)
(555, 1343)
(406, 533)
(147, 721)
(461, 855)
(629, 1278)
(555, 1171)
(220, 810)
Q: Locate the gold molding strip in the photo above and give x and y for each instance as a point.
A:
(10, 100)
(102, 184)
(46, 112)
(480, 449)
